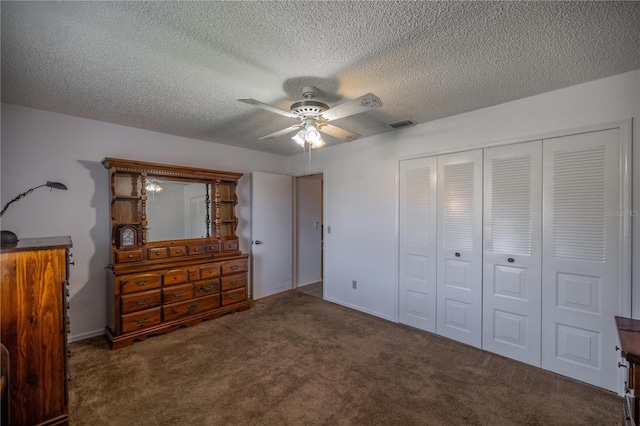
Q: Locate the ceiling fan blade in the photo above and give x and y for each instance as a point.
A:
(338, 132)
(363, 103)
(268, 107)
(282, 132)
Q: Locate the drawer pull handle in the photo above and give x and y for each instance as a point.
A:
(233, 267)
(234, 297)
(457, 254)
(175, 277)
(193, 307)
(130, 256)
(206, 288)
(620, 365)
(157, 253)
(177, 251)
(510, 260)
(178, 293)
(142, 302)
(211, 271)
(195, 249)
(141, 283)
(141, 320)
(234, 282)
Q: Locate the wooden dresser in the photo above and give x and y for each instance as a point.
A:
(175, 259)
(34, 327)
(629, 334)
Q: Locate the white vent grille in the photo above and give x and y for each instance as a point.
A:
(458, 206)
(417, 206)
(511, 221)
(579, 202)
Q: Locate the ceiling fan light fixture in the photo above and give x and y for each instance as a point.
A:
(299, 138)
(318, 144)
(312, 135)
(153, 186)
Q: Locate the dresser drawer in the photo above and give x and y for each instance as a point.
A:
(177, 251)
(234, 281)
(177, 293)
(210, 271)
(212, 248)
(131, 283)
(190, 307)
(234, 296)
(157, 253)
(195, 249)
(141, 300)
(230, 245)
(233, 266)
(139, 320)
(128, 256)
(205, 288)
(175, 276)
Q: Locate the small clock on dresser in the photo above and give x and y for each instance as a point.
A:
(127, 237)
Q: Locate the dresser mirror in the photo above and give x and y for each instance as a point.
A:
(176, 209)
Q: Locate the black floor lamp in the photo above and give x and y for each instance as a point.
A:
(9, 237)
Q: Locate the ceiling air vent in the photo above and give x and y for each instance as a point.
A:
(403, 123)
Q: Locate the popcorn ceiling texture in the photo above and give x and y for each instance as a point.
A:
(178, 67)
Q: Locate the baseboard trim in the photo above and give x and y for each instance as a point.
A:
(319, 280)
(86, 335)
(357, 308)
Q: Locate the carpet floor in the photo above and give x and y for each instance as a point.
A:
(295, 359)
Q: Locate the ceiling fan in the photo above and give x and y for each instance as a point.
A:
(314, 117)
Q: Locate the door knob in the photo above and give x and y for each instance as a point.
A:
(257, 242)
(510, 260)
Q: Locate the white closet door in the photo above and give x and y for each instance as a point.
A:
(581, 277)
(417, 298)
(459, 228)
(512, 251)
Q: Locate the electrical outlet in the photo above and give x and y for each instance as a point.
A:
(354, 284)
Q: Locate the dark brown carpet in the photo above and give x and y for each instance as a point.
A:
(294, 359)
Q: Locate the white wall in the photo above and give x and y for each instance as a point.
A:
(308, 201)
(361, 190)
(360, 184)
(38, 146)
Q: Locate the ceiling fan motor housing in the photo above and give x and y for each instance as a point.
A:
(308, 108)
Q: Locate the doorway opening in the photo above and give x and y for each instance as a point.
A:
(308, 234)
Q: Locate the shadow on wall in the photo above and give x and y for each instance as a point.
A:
(88, 305)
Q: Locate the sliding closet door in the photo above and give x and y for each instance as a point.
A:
(581, 270)
(459, 228)
(417, 298)
(512, 251)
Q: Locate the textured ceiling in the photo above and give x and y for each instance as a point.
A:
(178, 67)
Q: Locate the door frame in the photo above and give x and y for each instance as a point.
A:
(323, 260)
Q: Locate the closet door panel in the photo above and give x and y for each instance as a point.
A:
(512, 251)
(582, 286)
(417, 298)
(459, 248)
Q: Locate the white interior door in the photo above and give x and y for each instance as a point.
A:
(417, 280)
(459, 250)
(271, 233)
(581, 270)
(513, 251)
